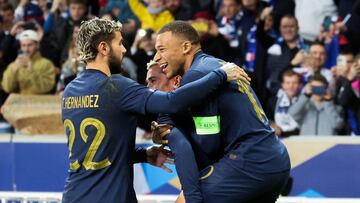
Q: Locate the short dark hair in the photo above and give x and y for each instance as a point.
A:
(357, 58)
(291, 17)
(236, 1)
(290, 73)
(318, 43)
(320, 78)
(182, 29)
(346, 50)
(83, 2)
(6, 7)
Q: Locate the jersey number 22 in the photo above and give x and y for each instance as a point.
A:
(88, 162)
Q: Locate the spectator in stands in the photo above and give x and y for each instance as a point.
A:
(329, 35)
(59, 8)
(121, 11)
(123, 7)
(142, 51)
(344, 61)
(250, 9)
(6, 23)
(29, 12)
(3, 2)
(7, 17)
(314, 63)
(153, 16)
(10, 45)
(30, 73)
(44, 6)
(315, 111)
(179, 9)
(284, 124)
(352, 31)
(311, 15)
(348, 93)
(57, 39)
(280, 9)
(254, 46)
(72, 65)
(229, 21)
(285, 52)
(128, 68)
(229, 25)
(212, 42)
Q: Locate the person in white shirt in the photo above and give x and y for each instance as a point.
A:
(291, 85)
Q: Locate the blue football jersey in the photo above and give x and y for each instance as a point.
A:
(231, 121)
(100, 116)
(101, 138)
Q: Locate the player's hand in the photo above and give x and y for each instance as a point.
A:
(157, 156)
(234, 72)
(159, 131)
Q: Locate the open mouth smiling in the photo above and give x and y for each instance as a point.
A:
(163, 65)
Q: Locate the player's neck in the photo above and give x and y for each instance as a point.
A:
(101, 66)
(190, 59)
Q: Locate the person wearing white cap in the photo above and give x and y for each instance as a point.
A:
(30, 73)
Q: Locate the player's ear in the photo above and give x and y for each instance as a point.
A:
(177, 81)
(103, 48)
(186, 47)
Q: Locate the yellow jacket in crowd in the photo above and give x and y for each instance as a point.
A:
(39, 79)
(155, 22)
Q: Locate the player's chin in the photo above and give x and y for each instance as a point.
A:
(168, 72)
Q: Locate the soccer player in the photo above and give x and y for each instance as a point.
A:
(185, 160)
(99, 112)
(156, 79)
(247, 161)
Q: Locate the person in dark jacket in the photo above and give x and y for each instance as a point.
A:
(347, 94)
(57, 40)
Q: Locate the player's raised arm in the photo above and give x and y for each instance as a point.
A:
(136, 98)
(194, 92)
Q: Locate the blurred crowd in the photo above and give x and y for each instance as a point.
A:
(303, 56)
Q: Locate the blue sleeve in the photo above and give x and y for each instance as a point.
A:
(191, 76)
(139, 155)
(187, 95)
(129, 95)
(186, 165)
(165, 119)
(133, 97)
(48, 22)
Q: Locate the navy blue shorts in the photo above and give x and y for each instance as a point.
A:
(223, 181)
